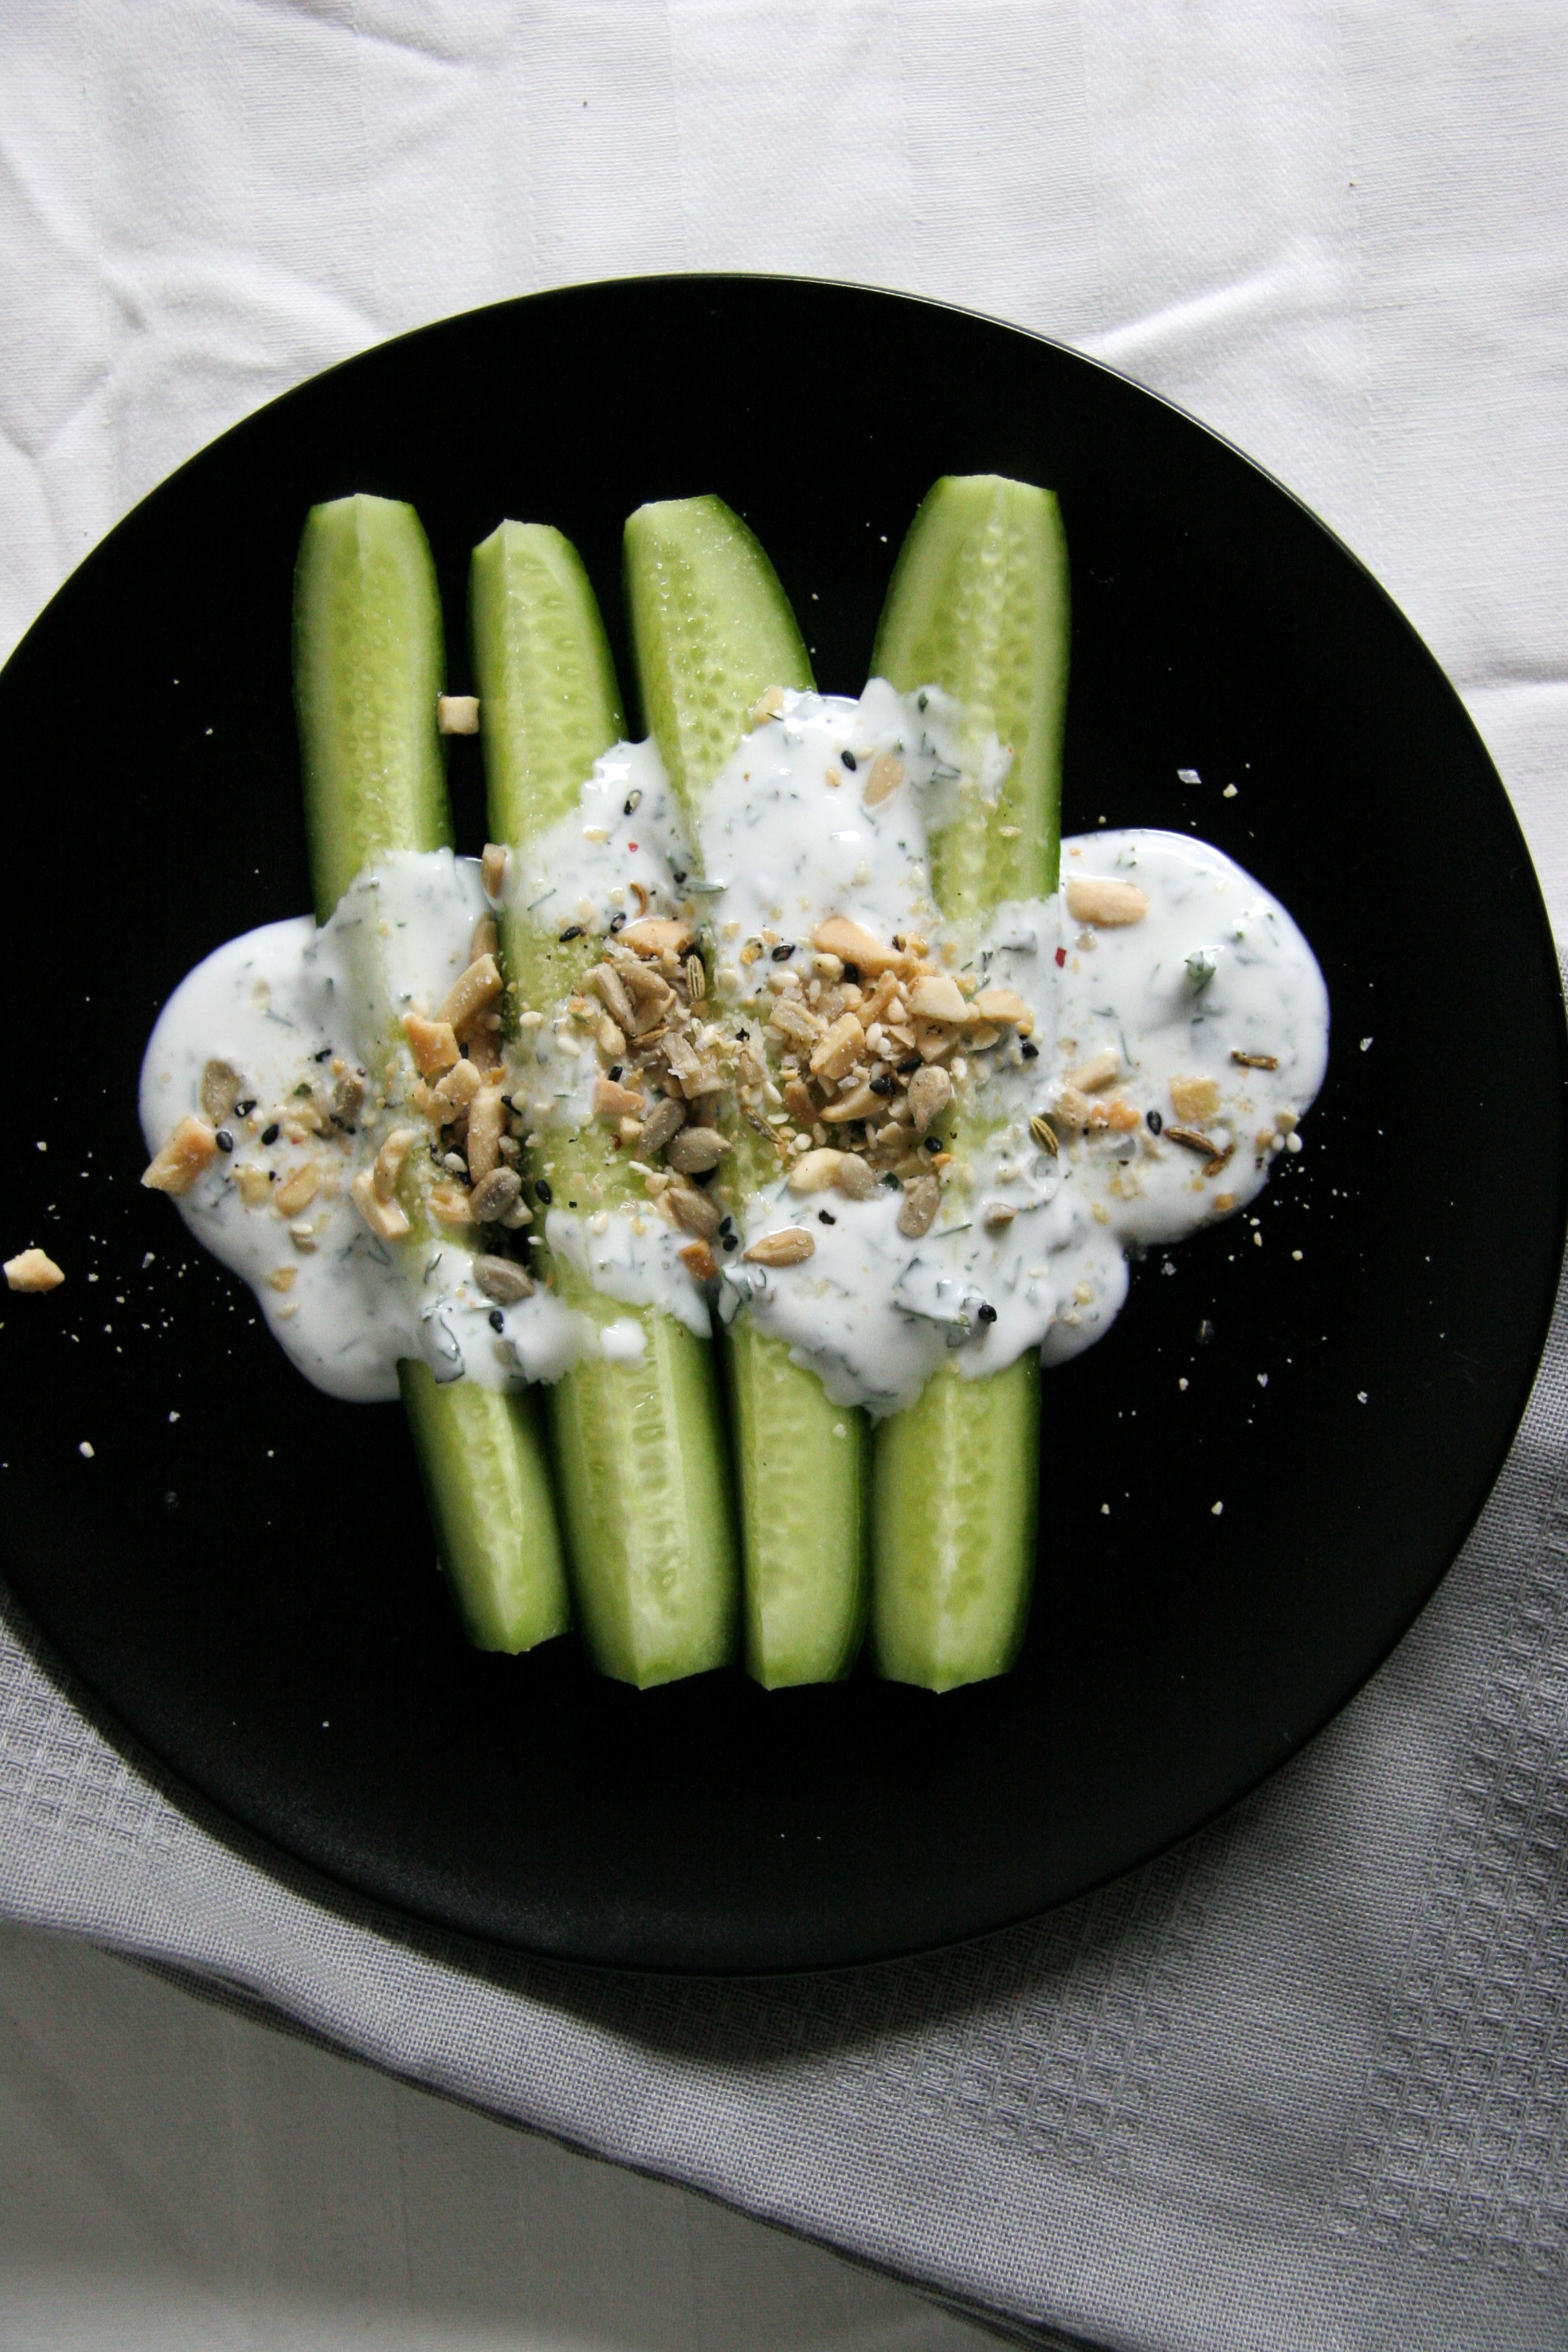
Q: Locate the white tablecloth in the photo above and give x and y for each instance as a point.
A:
(1338, 233)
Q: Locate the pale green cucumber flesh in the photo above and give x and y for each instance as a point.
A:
(485, 1466)
(641, 1476)
(369, 664)
(955, 1486)
(644, 1488)
(980, 606)
(803, 1469)
(712, 630)
(368, 667)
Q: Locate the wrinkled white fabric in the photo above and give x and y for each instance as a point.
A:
(1303, 2084)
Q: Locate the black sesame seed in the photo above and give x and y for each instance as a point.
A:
(730, 1241)
(823, 1218)
(891, 1181)
(1156, 1121)
(324, 1056)
(616, 1070)
(573, 932)
(986, 1314)
(676, 875)
(921, 700)
(244, 1109)
(726, 1224)
(848, 760)
(933, 1143)
(742, 1036)
(224, 1140)
(910, 1064)
(498, 1320)
(852, 972)
(632, 798)
(784, 951)
(882, 1085)
(617, 922)
(270, 1134)
(542, 1191)
(1030, 1053)
(703, 1176)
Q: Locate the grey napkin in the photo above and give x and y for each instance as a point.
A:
(1303, 2083)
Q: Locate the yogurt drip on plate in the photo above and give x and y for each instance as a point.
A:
(1164, 1024)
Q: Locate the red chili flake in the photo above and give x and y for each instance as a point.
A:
(631, 844)
(1062, 958)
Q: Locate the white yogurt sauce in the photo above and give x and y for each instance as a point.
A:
(1217, 967)
(271, 1004)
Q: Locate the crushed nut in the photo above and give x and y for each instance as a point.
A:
(389, 1161)
(813, 1171)
(1071, 1108)
(448, 1205)
(767, 706)
(1097, 1072)
(492, 868)
(192, 1146)
(1005, 1006)
(838, 1049)
(32, 1269)
(699, 1260)
(658, 935)
(791, 1245)
(996, 1214)
(937, 996)
(1096, 899)
(384, 1218)
(485, 939)
(1255, 1061)
(296, 1190)
(838, 935)
(348, 1098)
(254, 1182)
(457, 1092)
(611, 1100)
(1194, 1098)
(433, 1044)
(281, 1277)
(472, 992)
(457, 714)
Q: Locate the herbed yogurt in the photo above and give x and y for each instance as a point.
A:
(1171, 1029)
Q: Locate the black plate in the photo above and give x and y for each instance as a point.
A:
(242, 1570)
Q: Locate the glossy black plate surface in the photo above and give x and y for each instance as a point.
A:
(242, 1571)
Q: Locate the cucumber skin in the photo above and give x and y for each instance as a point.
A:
(706, 604)
(374, 764)
(485, 1467)
(504, 1570)
(805, 1616)
(656, 1583)
(950, 558)
(956, 1476)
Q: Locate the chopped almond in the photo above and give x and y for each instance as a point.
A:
(189, 1149)
(699, 1261)
(389, 1161)
(936, 996)
(1097, 1072)
(1070, 1107)
(860, 1104)
(611, 1100)
(254, 1183)
(1096, 899)
(767, 706)
(282, 1277)
(1002, 1005)
(433, 1044)
(457, 1091)
(813, 1171)
(296, 1190)
(384, 1218)
(33, 1270)
(472, 992)
(836, 1054)
(839, 936)
(659, 935)
(1194, 1099)
(492, 868)
(457, 714)
(448, 1205)
(887, 774)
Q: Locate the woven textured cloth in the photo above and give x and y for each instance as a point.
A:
(1303, 2083)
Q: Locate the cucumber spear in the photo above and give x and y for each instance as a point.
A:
(639, 1449)
(711, 632)
(979, 605)
(368, 663)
